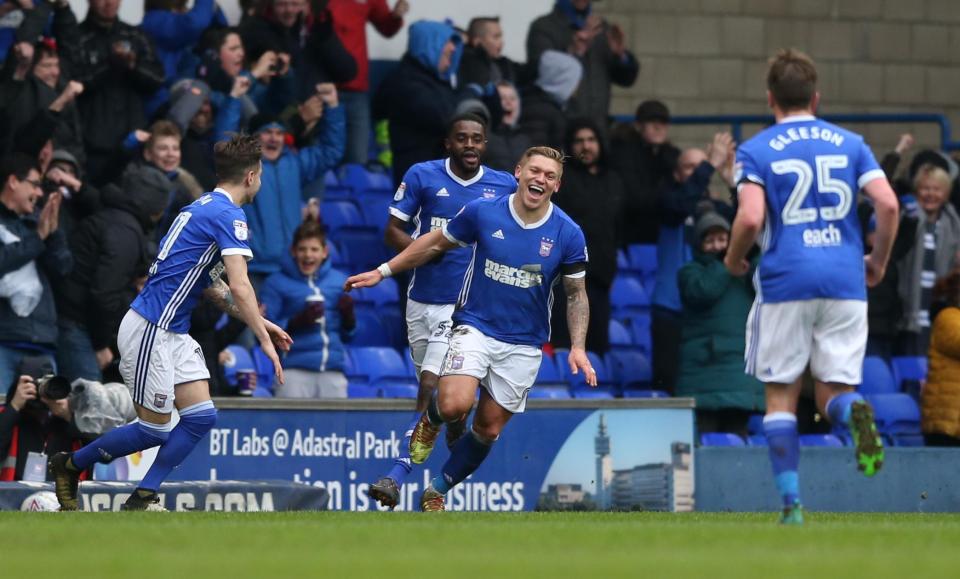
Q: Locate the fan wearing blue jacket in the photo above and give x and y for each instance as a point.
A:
(306, 297)
(275, 213)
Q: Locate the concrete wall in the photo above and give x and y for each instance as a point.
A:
(709, 56)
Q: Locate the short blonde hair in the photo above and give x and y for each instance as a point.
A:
(929, 171)
(543, 151)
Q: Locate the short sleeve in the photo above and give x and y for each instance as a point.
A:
(231, 233)
(462, 229)
(867, 167)
(406, 200)
(575, 255)
(746, 169)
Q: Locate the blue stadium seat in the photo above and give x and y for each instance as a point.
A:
(820, 440)
(261, 392)
(393, 324)
(362, 391)
(628, 295)
(339, 214)
(330, 179)
(385, 292)
(645, 394)
(548, 375)
(620, 338)
(898, 417)
(909, 373)
(630, 369)
(549, 392)
(755, 424)
(396, 389)
(643, 258)
(591, 393)
(578, 380)
(359, 178)
(375, 208)
(639, 325)
(378, 364)
(623, 264)
(370, 330)
(757, 440)
(364, 247)
(408, 360)
(720, 439)
(338, 258)
(877, 377)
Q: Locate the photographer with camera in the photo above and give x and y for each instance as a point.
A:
(32, 250)
(35, 422)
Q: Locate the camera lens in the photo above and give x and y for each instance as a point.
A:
(53, 387)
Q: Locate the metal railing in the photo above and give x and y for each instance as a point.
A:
(737, 122)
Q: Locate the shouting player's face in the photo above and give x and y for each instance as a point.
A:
(466, 144)
(539, 178)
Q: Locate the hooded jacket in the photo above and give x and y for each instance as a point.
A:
(275, 212)
(111, 249)
(284, 295)
(417, 99)
(542, 117)
(601, 66)
(715, 307)
(594, 202)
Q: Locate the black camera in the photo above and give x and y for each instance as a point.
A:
(275, 67)
(48, 384)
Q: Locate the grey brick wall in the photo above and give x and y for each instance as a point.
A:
(709, 56)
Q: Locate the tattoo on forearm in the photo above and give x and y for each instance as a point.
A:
(219, 295)
(578, 310)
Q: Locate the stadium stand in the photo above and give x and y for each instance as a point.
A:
(720, 439)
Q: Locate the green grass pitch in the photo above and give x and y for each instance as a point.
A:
(391, 545)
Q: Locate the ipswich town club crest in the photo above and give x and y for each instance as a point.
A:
(545, 246)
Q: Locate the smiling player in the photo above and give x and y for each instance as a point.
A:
(430, 195)
(522, 245)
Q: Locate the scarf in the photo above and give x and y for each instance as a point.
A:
(911, 265)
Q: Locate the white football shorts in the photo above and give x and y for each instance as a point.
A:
(506, 371)
(830, 335)
(428, 331)
(153, 361)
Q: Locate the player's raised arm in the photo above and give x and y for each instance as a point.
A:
(746, 227)
(422, 250)
(886, 208)
(245, 304)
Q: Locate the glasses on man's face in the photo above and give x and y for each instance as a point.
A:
(36, 184)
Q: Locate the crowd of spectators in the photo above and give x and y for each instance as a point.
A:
(107, 132)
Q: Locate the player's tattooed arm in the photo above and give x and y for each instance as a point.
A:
(219, 295)
(578, 310)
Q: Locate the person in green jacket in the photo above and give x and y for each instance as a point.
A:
(715, 308)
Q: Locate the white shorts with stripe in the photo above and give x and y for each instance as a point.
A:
(829, 335)
(153, 361)
(506, 371)
(428, 331)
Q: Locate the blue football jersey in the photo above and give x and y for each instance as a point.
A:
(811, 172)
(430, 195)
(189, 259)
(508, 289)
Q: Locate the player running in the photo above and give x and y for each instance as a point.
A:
(160, 363)
(522, 244)
(798, 183)
(430, 195)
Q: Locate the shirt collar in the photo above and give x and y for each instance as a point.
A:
(513, 213)
(467, 183)
(797, 119)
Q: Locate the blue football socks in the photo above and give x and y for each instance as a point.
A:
(402, 465)
(468, 454)
(838, 409)
(121, 441)
(784, 446)
(195, 422)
